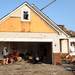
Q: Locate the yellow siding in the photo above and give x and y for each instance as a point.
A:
(36, 24)
(11, 24)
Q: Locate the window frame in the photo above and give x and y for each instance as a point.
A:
(22, 15)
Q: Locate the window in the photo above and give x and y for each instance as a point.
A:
(72, 43)
(25, 15)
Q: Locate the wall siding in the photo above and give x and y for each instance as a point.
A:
(14, 23)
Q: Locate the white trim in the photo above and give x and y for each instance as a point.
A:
(25, 40)
(22, 14)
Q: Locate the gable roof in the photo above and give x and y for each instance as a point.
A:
(40, 13)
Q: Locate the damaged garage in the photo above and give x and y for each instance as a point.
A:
(28, 31)
(40, 52)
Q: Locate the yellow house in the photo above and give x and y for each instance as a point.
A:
(27, 28)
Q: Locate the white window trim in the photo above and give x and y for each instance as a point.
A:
(22, 19)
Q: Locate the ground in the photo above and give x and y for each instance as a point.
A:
(24, 68)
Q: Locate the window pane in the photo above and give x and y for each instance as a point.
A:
(25, 15)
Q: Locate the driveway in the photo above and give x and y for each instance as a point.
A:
(24, 68)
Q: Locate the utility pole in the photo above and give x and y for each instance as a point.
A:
(48, 5)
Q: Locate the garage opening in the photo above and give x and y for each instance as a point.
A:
(32, 51)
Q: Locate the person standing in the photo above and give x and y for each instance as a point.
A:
(5, 54)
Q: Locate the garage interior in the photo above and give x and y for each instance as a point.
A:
(43, 50)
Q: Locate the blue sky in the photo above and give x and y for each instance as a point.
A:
(61, 12)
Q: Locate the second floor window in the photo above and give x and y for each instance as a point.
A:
(25, 15)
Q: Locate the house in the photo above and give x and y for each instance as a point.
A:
(27, 28)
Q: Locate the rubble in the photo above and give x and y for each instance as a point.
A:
(25, 68)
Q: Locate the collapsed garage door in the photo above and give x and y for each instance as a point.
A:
(40, 49)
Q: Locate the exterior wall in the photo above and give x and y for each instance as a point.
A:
(32, 37)
(14, 23)
(56, 58)
(35, 37)
(56, 52)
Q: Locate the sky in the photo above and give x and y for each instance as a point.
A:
(62, 12)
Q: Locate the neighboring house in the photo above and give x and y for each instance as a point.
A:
(28, 27)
